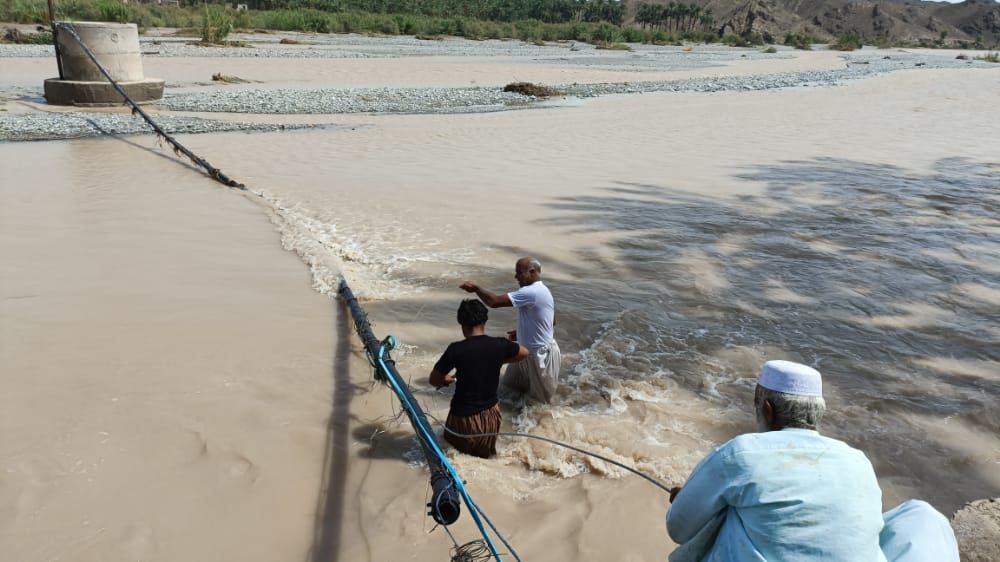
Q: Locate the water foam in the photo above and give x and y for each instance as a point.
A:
(375, 266)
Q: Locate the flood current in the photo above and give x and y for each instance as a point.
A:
(687, 238)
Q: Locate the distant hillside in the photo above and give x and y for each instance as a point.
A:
(897, 20)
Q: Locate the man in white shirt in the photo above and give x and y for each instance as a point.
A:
(538, 374)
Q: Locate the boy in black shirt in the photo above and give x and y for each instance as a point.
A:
(476, 361)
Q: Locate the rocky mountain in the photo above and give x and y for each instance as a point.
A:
(898, 20)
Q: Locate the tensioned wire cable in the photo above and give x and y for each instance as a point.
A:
(179, 149)
(217, 175)
(647, 477)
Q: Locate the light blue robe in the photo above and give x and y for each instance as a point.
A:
(790, 495)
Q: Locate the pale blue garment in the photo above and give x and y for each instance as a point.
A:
(790, 495)
(916, 532)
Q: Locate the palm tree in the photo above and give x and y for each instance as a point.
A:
(694, 12)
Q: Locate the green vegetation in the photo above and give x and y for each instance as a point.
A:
(847, 43)
(751, 40)
(545, 11)
(539, 21)
(770, 50)
(215, 25)
(23, 11)
(112, 10)
(674, 17)
(990, 57)
(590, 21)
(802, 41)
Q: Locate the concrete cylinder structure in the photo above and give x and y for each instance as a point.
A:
(116, 48)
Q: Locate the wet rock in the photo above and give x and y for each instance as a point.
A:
(977, 528)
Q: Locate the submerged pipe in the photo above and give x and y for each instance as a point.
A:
(445, 504)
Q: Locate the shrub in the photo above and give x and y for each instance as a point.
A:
(633, 35)
(112, 10)
(316, 22)
(661, 37)
(606, 33)
(800, 41)
(25, 11)
(847, 43)
(741, 41)
(216, 24)
(700, 37)
(882, 42)
(388, 26)
(770, 50)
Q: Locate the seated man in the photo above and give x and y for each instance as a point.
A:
(789, 494)
(476, 361)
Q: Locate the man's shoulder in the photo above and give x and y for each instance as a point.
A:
(498, 341)
(479, 342)
(798, 439)
(538, 289)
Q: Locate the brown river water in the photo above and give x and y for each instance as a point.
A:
(175, 391)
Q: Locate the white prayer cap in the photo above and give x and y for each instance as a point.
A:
(791, 378)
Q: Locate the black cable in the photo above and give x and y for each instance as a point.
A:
(650, 479)
(472, 551)
(496, 532)
(212, 171)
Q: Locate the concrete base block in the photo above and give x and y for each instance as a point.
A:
(71, 92)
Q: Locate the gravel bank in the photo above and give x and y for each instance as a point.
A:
(475, 99)
(53, 126)
(17, 126)
(359, 46)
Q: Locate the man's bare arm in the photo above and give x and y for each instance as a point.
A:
(522, 353)
(438, 380)
(489, 299)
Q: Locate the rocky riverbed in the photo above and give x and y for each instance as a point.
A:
(447, 100)
(263, 99)
(78, 124)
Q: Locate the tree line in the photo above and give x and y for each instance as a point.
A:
(547, 11)
(674, 17)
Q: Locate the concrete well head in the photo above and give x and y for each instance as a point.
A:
(116, 48)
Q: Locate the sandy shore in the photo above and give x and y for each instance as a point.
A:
(175, 388)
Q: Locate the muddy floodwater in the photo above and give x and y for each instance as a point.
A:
(180, 383)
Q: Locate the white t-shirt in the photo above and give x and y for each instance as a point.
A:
(535, 313)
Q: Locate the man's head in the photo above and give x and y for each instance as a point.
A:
(788, 395)
(472, 314)
(527, 270)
